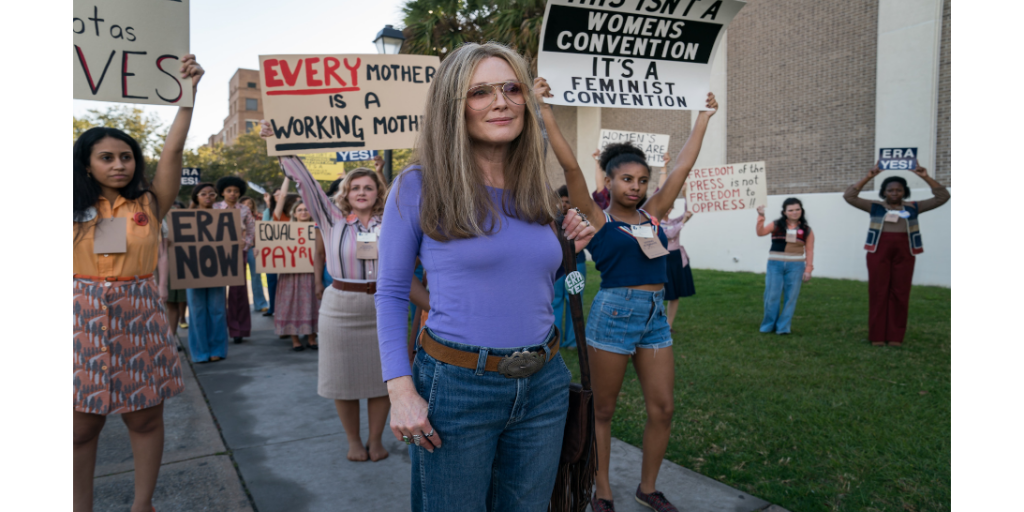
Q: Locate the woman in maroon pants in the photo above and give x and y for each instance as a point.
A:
(894, 241)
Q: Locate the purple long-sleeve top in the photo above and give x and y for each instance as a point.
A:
(488, 291)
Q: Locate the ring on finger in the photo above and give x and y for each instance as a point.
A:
(406, 440)
(417, 439)
(431, 434)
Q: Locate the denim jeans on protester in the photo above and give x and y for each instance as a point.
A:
(501, 438)
(561, 308)
(782, 276)
(271, 291)
(258, 301)
(208, 323)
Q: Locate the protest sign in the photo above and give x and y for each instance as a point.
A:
(324, 166)
(654, 145)
(331, 166)
(256, 188)
(206, 248)
(653, 54)
(191, 176)
(318, 103)
(897, 159)
(130, 52)
(726, 188)
(285, 247)
(357, 156)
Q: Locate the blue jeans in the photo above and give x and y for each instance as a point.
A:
(622, 320)
(258, 301)
(208, 323)
(272, 291)
(501, 438)
(561, 303)
(781, 276)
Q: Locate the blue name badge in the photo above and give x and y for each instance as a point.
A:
(897, 159)
(357, 156)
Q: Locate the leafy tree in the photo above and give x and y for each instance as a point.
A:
(436, 27)
(81, 126)
(144, 128)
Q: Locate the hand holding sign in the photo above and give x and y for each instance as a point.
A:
(191, 69)
(921, 172)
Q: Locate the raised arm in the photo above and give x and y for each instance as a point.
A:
(663, 199)
(319, 259)
(763, 229)
(939, 192)
(167, 181)
(279, 208)
(664, 171)
(851, 193)
(321, 207)
(598, 172)
(579, 195)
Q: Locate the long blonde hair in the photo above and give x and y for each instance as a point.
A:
(455, 201)
(341, 196)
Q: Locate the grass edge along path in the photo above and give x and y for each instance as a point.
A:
(818, 420)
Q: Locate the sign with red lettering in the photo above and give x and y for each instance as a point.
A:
(285, 247)
(325, 103)
(206, 248)
(130, 52)
(727, 187)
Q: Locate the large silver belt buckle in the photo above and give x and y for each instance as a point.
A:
(521, 364)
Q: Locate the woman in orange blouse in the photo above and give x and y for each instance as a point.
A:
(124, 360)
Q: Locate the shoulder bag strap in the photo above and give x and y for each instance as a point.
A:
(576, 308)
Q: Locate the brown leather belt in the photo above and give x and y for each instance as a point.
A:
(515, 366)
(368, 288)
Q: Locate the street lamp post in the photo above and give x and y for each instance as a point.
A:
(389, 41)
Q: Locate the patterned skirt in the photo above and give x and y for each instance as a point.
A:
(297, 311)
(125, 360)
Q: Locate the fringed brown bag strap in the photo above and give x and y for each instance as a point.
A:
(577, 467)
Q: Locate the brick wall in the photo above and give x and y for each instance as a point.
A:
(802, 92)
(944, 149)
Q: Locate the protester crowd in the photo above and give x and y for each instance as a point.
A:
(487, 239)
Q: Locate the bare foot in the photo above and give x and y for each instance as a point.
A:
(356, 453)
(378, 453)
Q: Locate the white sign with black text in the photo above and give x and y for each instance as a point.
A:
(652, 54)
(655, 145)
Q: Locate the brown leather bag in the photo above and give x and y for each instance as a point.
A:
(577, 467)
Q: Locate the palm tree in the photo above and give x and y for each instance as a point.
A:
(435, 27)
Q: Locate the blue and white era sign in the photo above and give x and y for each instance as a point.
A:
(190, 176)
(574, 283)
(897, 159)
(357, 156)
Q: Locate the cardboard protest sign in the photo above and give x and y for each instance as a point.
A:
(654, 145)
(191, 176)
(897, 159)
(130, 52)
(726, 188)
(206, 248)
(653, 54)
(318, 103)
(285, 247)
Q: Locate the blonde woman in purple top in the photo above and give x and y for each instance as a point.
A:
(485, 403)
(349, 357)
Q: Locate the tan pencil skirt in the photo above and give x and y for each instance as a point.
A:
(349, 366)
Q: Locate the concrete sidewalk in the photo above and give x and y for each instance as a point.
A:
(290, 448)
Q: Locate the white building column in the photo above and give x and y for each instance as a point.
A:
(588, 134)
(907, 83)
(714, 150)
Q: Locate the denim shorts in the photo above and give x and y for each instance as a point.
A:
(501, 438)
(623, 319)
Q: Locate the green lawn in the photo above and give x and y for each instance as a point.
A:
(817, 420)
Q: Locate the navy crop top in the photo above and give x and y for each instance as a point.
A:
(618, 256)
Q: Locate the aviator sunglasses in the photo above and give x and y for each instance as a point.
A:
(482, 96)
